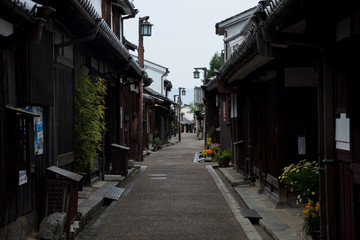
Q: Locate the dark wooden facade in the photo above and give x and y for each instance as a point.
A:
(280, 110)
(158, 116)
(346, 167)
(218, 122)
(38, 65)
(25, 76)
(212, 114)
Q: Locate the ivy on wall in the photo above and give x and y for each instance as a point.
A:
(89, 120)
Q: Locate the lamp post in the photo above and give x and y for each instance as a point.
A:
(175, 119)
(144, 30)
(197, 76)
(181, 92)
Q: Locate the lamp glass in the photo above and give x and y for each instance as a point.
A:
(183, 92)
(196, 74)
(145, 29)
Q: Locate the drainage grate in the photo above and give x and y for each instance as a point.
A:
(114, 193)
(250, 213)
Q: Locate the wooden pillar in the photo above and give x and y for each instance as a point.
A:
(329, 149)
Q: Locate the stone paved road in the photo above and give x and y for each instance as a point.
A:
(173, 198)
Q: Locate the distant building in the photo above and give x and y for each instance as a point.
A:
(157, 73)
(233, 31)
(187, 119)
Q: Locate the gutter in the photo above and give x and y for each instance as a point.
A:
(31, 33)
(87, 10)
(91, 37)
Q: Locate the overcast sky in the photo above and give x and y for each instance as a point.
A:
(183, 35)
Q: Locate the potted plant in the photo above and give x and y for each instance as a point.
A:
(304, 178)
(312, 219)
(156, 143)
(208, 154)
(225, 158)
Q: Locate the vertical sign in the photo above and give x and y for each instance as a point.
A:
(224, 111)
(301, 145)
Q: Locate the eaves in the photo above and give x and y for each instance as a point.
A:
(247, 57)
(79, 18)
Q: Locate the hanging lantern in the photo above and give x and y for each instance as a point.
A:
(196, 74)
(145, 28)
(183, 92)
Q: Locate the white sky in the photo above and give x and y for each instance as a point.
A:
(183, 35)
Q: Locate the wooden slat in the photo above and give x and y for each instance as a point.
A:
(65, 173)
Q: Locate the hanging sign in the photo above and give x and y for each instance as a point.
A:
(22, 177)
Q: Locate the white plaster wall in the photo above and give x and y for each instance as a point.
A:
(97, 5)
(156, 76)
(154, 71)
(186, 111)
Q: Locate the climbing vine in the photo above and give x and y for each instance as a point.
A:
(89, 120)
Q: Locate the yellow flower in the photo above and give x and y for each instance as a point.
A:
(204, 153)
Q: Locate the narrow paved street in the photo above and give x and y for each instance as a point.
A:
(172, 197)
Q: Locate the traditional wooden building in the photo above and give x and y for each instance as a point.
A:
(212, 124)
(42, 50)
(25, 95)
(295, 99)
(158, 117)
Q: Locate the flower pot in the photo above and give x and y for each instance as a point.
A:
(224, 163)
(315, 234)
(208, 158)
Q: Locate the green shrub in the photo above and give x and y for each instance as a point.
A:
(89, 120)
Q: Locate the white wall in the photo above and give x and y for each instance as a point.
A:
(97, 5)
(155, 71)
(186, 111)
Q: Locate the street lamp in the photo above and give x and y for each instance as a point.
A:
(197, 73)
(144, 30)
(175, 109)
(145, 27)
(181, 92)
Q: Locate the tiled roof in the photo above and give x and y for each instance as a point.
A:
(263, 11)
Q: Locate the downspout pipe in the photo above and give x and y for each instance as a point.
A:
(226, 46)
(32, 33)
(162, 80)
(133, 15)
